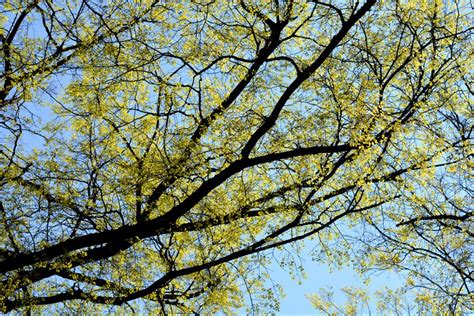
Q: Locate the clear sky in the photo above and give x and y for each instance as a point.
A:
(320, 276)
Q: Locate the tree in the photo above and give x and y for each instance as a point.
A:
(154, 154)
(388, 302)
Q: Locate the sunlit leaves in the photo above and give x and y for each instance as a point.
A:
(182, 142)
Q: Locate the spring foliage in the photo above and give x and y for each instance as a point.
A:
(154, 153)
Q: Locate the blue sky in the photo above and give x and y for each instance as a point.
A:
(320, 276)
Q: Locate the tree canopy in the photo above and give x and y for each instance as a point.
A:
(154, 153)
